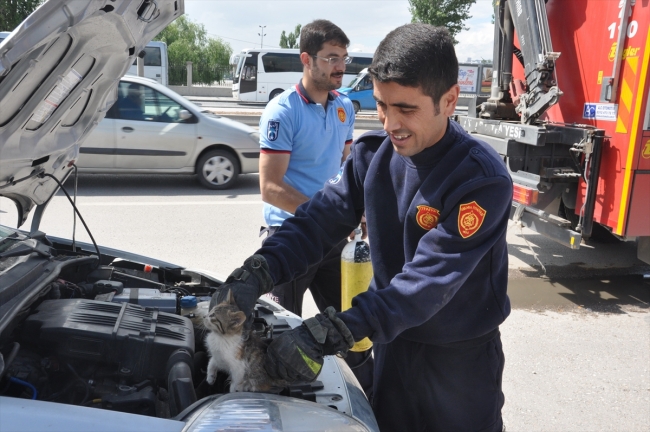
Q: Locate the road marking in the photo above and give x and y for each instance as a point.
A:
(165, 203)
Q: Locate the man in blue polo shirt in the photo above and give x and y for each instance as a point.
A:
(305, 135)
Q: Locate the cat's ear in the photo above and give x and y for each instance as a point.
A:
(231, 298)
(237, 319)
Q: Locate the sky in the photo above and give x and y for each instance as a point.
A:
(365, 22)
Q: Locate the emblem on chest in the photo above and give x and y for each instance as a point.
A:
(470, 218)
(427, 217)
(341, 113)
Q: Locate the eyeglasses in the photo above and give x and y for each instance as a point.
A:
(336, 60)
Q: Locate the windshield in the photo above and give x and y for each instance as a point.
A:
(357, 79)
(6, 236)
(242, 59)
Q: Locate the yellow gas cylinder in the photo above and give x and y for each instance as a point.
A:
(356, 273)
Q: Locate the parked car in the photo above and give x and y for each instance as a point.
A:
(93, 338)
(153, 130)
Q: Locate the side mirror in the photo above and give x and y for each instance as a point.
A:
(357, 88)
(184, 115)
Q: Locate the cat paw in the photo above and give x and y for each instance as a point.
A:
(211, 378)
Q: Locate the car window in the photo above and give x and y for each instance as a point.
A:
(142, 103)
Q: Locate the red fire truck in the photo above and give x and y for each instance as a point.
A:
(569, 113)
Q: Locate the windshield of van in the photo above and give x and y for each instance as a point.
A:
(242, 59)
(357, 79)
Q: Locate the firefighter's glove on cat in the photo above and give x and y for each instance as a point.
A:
(297, 355)
(247, 283)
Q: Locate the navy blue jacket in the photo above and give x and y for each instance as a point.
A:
(437, 223)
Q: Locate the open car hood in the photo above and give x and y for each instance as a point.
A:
(59, 72)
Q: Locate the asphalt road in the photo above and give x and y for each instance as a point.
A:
(577, 342)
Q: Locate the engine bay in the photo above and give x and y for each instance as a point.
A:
(123, 336)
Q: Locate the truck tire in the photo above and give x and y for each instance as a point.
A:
(357, 106)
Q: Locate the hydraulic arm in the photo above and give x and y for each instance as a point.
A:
(529, 100)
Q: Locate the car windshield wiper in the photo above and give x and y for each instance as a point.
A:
(25, 250)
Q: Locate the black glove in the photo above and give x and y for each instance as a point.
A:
(297, 355)
(247, 283)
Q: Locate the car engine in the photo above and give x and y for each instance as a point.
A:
(121, 337)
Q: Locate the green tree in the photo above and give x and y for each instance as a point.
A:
(13, 12)
(290, 40)
(189, 41)
(446, 13)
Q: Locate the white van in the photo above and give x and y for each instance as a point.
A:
(155, 62)
(263, 74)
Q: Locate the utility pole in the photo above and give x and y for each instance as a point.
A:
(262, 34)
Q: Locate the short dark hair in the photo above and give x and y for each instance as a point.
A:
(417, 55)
(318, 32)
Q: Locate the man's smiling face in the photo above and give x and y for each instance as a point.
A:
(410, 117)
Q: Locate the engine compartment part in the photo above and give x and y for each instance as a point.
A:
(147, 297)
(136, 338)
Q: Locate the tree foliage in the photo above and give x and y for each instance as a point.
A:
(189, 41)
(290, 40)
(13, 12)
(446, 13)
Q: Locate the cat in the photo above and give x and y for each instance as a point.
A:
(235, 350)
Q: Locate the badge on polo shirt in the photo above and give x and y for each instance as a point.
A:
(470, 219)
(273, 130)
(427, 217)
(342, 115)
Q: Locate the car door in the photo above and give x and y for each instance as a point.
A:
(150, 132)
(98, 149)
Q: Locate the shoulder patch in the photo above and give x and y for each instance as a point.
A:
(470, 219)
(427, 217)
(273, 130)
(342, 115)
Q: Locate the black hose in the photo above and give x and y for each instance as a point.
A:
(369, 351)
(10, 359)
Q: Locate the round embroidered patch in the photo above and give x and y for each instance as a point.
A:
(427, 217)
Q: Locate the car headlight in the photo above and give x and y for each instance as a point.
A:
(255, 136)
(269, 412)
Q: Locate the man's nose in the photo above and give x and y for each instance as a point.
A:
(391, 122)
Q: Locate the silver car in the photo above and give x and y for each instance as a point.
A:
(152, 129)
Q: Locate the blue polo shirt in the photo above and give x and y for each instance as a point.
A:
(313, 135)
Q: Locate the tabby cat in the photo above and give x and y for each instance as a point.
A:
(235, 350)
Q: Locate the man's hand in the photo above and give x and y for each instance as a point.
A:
(297, 355)
(247, 283)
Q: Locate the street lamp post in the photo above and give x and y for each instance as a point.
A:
(262, 34)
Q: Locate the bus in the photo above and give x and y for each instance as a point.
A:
(263, 74)
(155, 62)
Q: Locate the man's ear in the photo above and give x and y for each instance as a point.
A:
(449, 100)
(304, 59)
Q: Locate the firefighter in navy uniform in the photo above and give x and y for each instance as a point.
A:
(437, 202)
